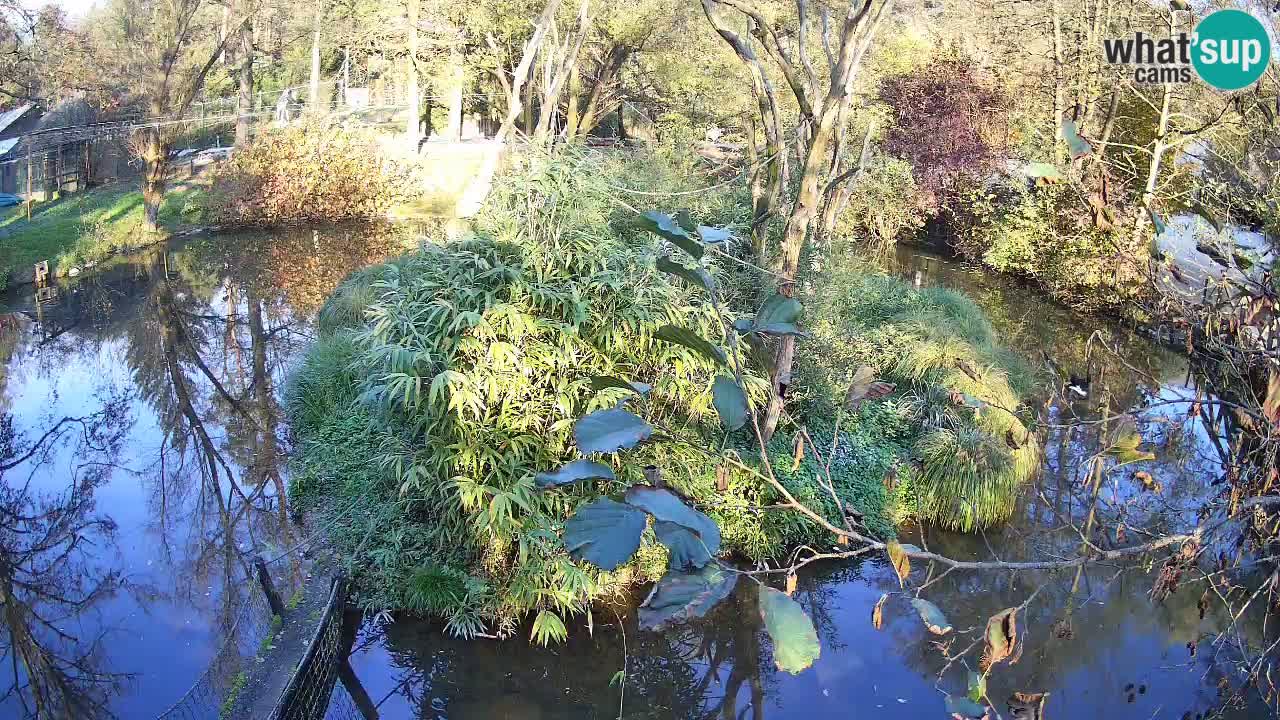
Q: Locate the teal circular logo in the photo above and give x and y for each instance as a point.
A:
(1231, 49)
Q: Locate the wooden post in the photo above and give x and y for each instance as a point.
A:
(264, 578)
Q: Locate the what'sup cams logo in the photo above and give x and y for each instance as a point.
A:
(1228, 49)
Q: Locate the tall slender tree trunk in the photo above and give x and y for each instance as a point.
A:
(244, 82)
(1153, 169)
(313, 98)
(521, 78)
(1059, 83)
(413, 111)
(155, 154)
(817, 165)
(593, 108)
(456, 82)
(1108, 123)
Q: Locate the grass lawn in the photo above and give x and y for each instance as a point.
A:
(82, 227)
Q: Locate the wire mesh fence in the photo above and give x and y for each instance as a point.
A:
(244, 633)
(307, 696)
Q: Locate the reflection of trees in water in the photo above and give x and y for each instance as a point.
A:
(51, 572)
(716, 668)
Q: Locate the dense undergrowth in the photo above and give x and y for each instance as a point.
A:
(443, 381)
(963, 448)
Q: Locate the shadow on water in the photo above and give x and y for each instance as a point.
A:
(142, 451)
(1099, 646)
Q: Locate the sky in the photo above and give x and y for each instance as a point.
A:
(75, 8)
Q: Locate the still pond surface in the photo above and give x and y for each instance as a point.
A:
(145, 458)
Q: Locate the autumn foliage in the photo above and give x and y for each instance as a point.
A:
(949, 125)
(306, 174)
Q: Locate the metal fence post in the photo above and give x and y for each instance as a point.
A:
(264, 578)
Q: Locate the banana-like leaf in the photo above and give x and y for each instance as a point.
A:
(713, 235)
(685, 220)
(686, 595)
(687, 549)
(1042, 172)
(573, 472)
(604, 533)
(795, 641)
(666, 227)
(609, 431)
(691, 340)
(665, 506)
(932, 616)
(698, 277)
(600, 382)
(1079, 146)
(730, 403)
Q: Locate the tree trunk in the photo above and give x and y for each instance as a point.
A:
(573, 108)
(1109, 123)
(244, 82)
(566, 65)
(838, 190)
(313, 98)
(1153, 170)
(593, 109)
(520, 78)
(455, 96)
(413, 111)
(155, 153)
(770, 175)
(817, 164)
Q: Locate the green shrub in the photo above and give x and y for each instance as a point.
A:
(960, 416)
(1047, 235)
(442, 382)
(883, 206)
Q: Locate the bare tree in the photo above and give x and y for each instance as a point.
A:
(161, 50)
(821, 116)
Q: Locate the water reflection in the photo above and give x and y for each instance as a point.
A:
(185, 348)
(1097, 643)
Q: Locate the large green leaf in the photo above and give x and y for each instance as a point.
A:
(713, 235)
(666, 227)
(795, 642)
(1156, 221)
(687, 548)
(729, 402)
(600, 382)
(665, 506)
(604, 533)
(777, 316)
(932, 616)
(1079, 146)
(1123, 442)
(686, 595)
(609, 431)
(573, 472)
(691, 340)
(685, 220)
(697, 277)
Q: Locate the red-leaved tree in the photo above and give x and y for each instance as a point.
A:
(948, 124)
